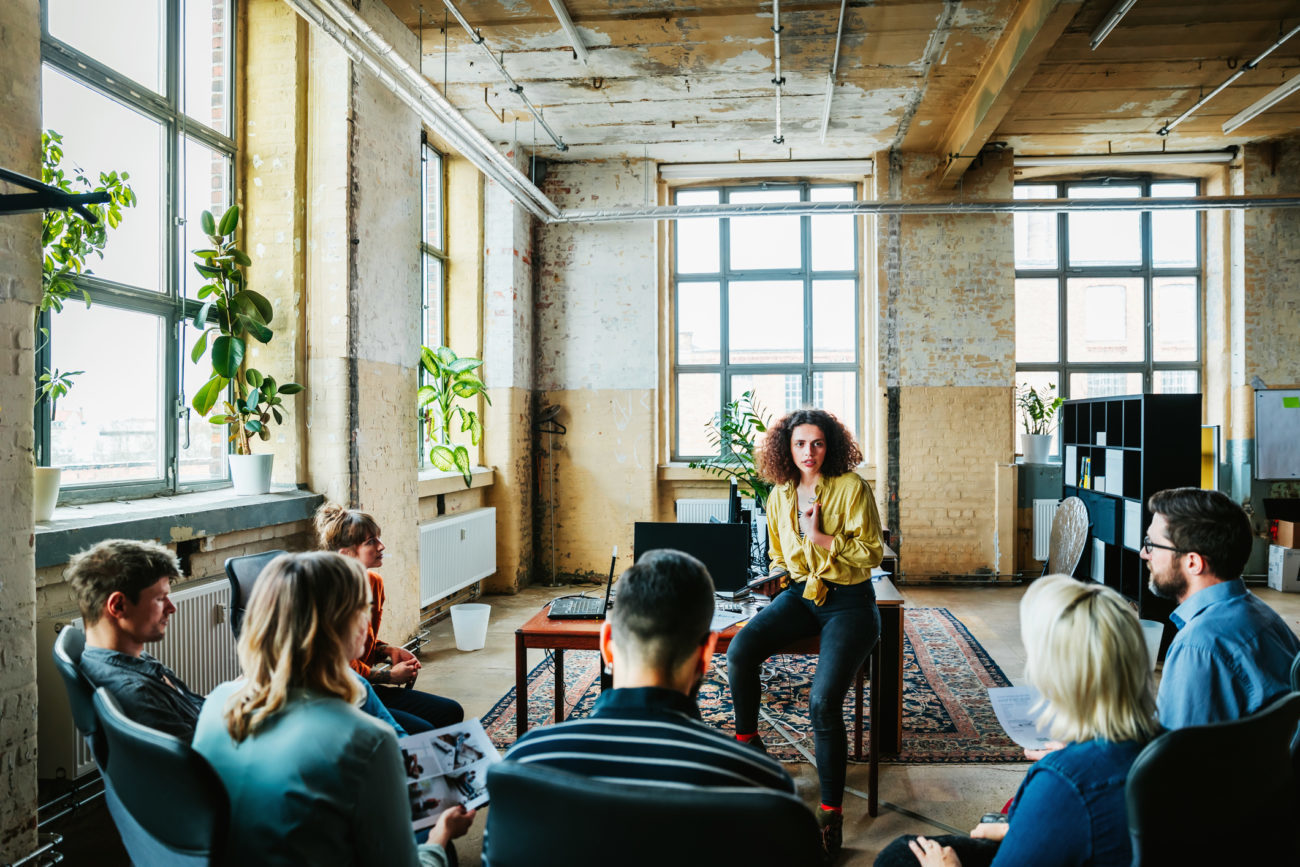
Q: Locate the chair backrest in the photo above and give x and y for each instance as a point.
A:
(1295, 673)
(243, 572)
(68, 646)
(167, 787)
(1069, 534)
(1235, 781)
(543, 817)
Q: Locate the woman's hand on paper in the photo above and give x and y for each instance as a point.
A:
(453, 823)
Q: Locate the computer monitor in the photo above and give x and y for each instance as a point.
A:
(722, 548)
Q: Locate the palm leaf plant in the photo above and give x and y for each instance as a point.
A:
(1039, 410)
(734, 432)
(235, 314)
(449, 378)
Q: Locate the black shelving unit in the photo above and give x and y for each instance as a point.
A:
(1129, 447)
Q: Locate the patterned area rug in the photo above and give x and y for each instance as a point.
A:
(946, 712)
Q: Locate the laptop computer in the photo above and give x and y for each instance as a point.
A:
(722, 548)
(585, 607)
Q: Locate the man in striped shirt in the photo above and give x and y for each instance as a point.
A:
(647, 729)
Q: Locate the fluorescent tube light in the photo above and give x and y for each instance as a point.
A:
(1127, 159)
(1272, 98)
(1118, 11)
(776, 168)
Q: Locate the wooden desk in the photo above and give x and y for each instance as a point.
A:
(886, 664)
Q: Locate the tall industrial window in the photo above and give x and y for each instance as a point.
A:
(764, 303)
(433, 260)
(1108, 302)
(143, 87)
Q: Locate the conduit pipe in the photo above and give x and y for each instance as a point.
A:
(878, 208)
(777, 79)
(360, 41)
(830, 76)
(515, 87)
(566, 24)
(1164, 130)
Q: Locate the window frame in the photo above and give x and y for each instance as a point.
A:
(725, 276)
(169, 304)
(1146, 271)
(430, 251)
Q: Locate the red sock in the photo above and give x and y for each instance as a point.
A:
(831, 809)
(744, 739)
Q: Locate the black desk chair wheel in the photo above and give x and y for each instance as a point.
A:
(544, 817)
(243, 572)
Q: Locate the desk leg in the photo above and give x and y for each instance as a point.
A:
(887, 691)
(521, 685)
(559, 685)
(873, 764)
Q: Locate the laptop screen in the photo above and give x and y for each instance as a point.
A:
(722, 548)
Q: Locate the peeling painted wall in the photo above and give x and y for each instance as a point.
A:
(20, 287)
(1272, 266)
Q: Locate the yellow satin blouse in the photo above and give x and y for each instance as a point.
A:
(848, 513)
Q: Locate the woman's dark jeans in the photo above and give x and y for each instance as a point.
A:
(849, 626)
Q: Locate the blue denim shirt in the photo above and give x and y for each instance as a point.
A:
(1070, 809)
(1231, 657)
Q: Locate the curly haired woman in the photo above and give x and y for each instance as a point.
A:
(824, 530)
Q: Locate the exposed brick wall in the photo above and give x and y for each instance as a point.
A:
(1271, 302)
(20, 120)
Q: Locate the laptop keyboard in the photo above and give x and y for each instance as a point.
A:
(577, 605)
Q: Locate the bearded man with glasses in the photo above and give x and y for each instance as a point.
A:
(1232, 654)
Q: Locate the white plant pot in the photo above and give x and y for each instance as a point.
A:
(251, 474)
(45, 492)
(1037, 447)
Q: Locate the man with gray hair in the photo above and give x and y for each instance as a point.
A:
(122, 589)
(647, 729)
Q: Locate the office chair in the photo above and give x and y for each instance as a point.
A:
(1218, 794)
(1069, 535)
(1295, 673)
(169, 789)
(243, 572)
(544, 817)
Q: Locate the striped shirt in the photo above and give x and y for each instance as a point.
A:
(649, 736)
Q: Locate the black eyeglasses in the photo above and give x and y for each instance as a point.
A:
(1147, 545)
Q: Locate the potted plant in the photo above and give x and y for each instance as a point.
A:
(1039, 420)
(68, 240)
(448, 377)
(734, 432)
(235, 313)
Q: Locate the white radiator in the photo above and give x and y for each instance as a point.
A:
(1044, 512)
(198, 646)
(456, 551)
(699, 511)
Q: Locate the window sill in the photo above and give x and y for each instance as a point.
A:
(431, 483)
(168, 519)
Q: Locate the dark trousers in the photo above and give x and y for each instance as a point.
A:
(419, 711)
(848, 625)
(972, 852)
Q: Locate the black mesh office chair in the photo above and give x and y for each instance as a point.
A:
(168, 788)
(543, 817)
(1219, 794)
(243, 572)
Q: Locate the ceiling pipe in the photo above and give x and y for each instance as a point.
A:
(365, 46)
(1127, 159)
(878, 208)
(777, 78)
(566, 24)
(1263, 104)
(1118, 11)
(1164, 130)
(830, 76)
(515, 88)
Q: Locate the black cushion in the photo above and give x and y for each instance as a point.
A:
(243, 572)
(543, 817)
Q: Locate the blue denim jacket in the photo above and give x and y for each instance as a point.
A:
(1231, 657)
(1070, 809)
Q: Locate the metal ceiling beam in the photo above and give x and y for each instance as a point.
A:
(567, 25)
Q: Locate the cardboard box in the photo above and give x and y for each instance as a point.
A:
(1284, 568)
(1287, 534)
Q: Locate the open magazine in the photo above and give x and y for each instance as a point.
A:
(445, 767)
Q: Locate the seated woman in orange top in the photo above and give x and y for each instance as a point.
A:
(355, 534)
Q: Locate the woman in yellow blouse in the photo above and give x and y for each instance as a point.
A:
(823, 528)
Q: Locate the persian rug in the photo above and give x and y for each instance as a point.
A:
(947, 716)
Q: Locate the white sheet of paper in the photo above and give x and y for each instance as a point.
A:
(1012, 704)
(723, 619)
(444, 767)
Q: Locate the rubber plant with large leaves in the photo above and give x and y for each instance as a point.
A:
(232, 315)
(448, 378)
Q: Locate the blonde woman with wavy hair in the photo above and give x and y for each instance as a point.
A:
(312, 779)
(1087, 658)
